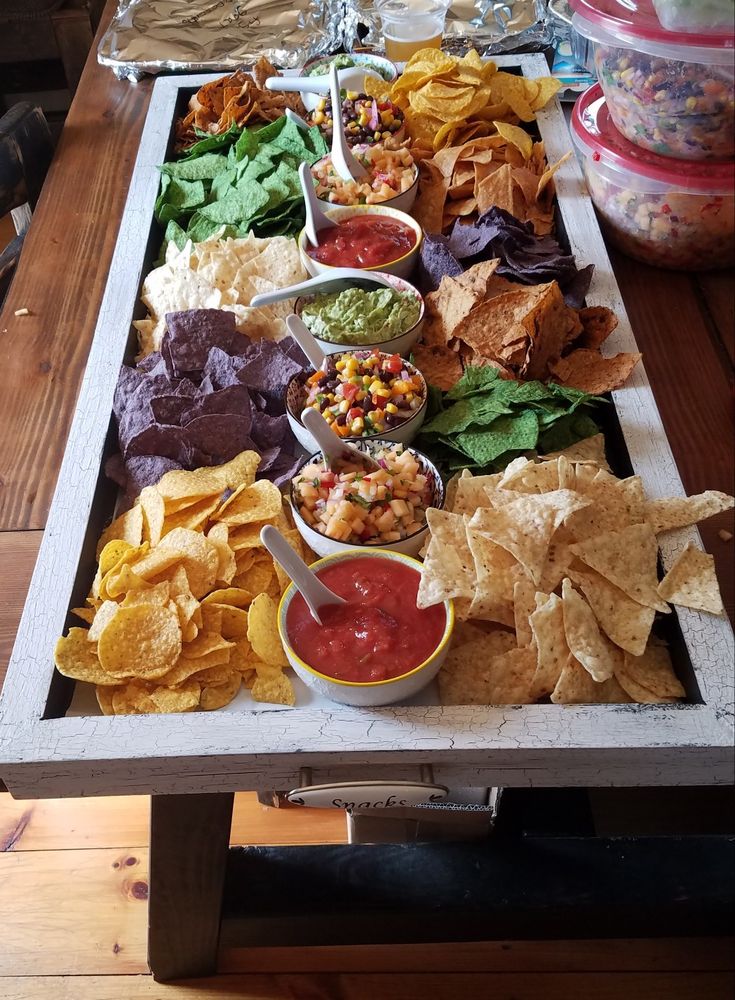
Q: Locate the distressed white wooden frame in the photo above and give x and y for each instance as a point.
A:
(678, 744)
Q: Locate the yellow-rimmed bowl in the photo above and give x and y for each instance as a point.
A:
(372, 693)
(402, 267)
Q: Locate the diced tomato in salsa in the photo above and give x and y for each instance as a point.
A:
(364, 241)
(378, 634)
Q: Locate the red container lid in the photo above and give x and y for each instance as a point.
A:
(594, 129)
(632, 19)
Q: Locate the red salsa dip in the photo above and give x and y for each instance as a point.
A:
(364, 241)
(378, 634)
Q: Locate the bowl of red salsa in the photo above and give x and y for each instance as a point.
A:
(376, 649)
(367, 237)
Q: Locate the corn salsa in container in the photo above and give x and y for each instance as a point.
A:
(671, 214)
(672, 93)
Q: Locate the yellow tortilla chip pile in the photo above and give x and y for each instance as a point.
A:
(238, 99)
(553, 569)
(448, 101)
(221, 274)
(182, 610)
(507, 170)
(525, 331)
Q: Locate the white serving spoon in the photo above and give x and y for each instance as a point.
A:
(334, 449)
(343, 161)
(316, 220)
(350, 78)
(305, 339)
(337, 280)
(297, 119)
(307, 583)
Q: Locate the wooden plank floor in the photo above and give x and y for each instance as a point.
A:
(73, 913)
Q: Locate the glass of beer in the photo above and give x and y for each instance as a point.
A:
(410, 25)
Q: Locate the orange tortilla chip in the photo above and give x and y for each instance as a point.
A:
(590, 372)
(439, 365)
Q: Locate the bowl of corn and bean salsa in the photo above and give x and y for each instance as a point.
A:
(351, 508)
(361, 394)
(392, 179)
(367, 121)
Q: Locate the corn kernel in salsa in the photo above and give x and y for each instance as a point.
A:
(363, 393)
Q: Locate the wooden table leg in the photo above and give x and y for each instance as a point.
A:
(188, 855)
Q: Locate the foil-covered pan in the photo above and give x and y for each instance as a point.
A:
(154, 36)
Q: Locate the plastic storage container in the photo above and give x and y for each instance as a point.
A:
(671, 214)
(669, 92)
(705, 16)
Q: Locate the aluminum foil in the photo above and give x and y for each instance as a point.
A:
(154, 36)
(489, 26)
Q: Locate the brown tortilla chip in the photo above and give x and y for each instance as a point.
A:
(439, 366)
(590, 372)
(598, 322)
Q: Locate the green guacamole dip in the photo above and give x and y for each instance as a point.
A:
(344, 62)
(357, 317)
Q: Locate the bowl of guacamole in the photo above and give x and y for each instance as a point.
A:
(387, 317)
(381, 66)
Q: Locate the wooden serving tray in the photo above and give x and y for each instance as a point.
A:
(46, 750)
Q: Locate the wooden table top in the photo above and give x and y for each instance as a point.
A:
(683, 324)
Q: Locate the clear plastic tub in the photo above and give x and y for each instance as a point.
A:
(705, 16)
(673, 215)
(670, 93)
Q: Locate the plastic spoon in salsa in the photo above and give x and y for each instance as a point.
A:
(334, 449)
(311, 588)
(337, 280)
(343, 161)
(316, 220)
(305, 339)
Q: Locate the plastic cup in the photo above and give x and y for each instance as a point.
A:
(410, 25)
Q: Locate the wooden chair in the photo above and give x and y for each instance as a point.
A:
(26, 149)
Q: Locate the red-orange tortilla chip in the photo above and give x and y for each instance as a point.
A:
(590, 372)
(439, 365)
(598, 322)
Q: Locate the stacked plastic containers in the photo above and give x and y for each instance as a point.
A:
(657, 134)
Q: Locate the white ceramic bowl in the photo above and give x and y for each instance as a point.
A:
(366, 60)
(401, 344)
(402, 267)
(370, 694)
(402, 433)
(387, 69)
(410, 546)
(403, 201)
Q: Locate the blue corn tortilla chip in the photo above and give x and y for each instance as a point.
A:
(192, 333)
(524, 257)
(209, 394)
(218, 436)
